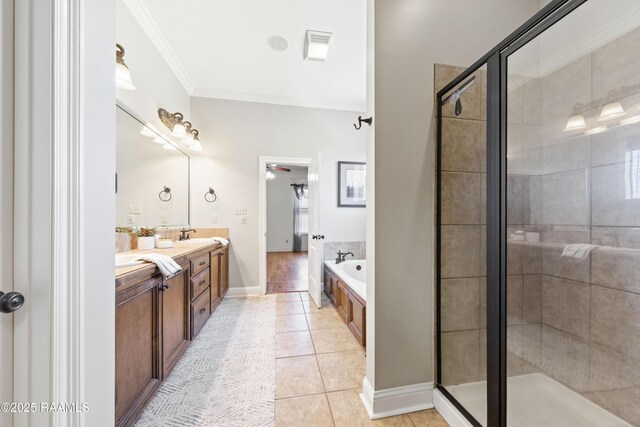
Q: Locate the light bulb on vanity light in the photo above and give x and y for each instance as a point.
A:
(179, 131)
(159, 140)
(149, 130)
(169, 146)
(611, 111)
(123, 75)
(575, 122)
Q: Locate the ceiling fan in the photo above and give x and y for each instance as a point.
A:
(273, 167)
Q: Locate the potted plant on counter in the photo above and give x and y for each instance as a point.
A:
(146, 237)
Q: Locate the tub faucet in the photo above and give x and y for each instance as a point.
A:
(184, 234)
(342, 256)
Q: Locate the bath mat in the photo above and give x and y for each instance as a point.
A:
(227, 376)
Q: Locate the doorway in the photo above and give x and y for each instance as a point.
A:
(287, 228)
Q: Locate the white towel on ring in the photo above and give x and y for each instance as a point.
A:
(168, 267)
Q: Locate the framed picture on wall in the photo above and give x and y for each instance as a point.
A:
(352, 187)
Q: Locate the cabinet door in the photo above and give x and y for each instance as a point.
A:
(175, 319)
(224, 271)
(357, 322)
(216, 292)
(343, 302)
(328, 285)
(138, 368)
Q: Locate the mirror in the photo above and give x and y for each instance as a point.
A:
(152, 176)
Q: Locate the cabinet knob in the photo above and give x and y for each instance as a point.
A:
(11, 301)
(202, 310)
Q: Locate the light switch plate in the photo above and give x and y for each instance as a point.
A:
(130, 219)
(214, 219)
(135, 209)
(164, 219)
(243, 219)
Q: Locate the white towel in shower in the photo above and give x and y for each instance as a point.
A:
(168, 267)
(578, 251)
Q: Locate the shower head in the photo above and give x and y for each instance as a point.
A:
(455, 96)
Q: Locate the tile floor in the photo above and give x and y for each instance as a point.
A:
(319, 370)
(287, 272)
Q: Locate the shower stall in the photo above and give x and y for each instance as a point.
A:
(538, 222)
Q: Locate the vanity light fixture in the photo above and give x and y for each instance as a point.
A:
(123, 75)
(159, 140)
(611, 111)
(181, 129)
(169, 146)
(575, 122)
(316, 45)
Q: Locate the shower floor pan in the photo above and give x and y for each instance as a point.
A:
(537, 400)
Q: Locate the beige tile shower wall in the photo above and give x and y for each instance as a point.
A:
(578, 189)
(462, 239)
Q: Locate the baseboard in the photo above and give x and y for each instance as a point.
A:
(396, 401)
(448, 411)
(243, 292)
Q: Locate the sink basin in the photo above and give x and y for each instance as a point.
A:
(127, 261)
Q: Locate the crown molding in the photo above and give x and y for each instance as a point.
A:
(149, 26)
(278, 100)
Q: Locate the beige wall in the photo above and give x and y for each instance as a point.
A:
(234, 135)
(411, 36)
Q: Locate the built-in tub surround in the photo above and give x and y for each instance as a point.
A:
(344, 284)
(359, 249)
(353, 273)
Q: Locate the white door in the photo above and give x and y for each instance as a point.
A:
(316, 238)
(6, 208)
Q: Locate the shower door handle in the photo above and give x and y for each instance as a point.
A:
(11, 301)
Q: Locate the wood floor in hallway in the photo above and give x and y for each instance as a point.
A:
(287, 272)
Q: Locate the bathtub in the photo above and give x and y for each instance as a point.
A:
(353, 273)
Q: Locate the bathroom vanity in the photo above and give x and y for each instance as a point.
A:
(157, 318)
(350, 305)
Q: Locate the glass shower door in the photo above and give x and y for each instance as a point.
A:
(573, 221)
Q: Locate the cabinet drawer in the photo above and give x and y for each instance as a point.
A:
(200, 311)
(199, 283)
(199, 264)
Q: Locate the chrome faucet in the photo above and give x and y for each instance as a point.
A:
(342, 256)
(184, 234)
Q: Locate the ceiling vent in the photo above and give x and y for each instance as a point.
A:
(316, 45)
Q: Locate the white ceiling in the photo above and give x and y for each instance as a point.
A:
(219, 49)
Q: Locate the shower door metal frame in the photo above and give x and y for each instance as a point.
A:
(496, 176)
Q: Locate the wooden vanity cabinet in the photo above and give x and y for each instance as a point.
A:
(216, 294)
(156, 319)
(224, 271)
(176, 319)
(329, 281)
(138, 341)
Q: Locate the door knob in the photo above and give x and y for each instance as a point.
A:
(320, 236)
(11, 302)
(314, 237)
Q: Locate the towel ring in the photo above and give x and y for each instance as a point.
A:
(165, 194)
(210, 196)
